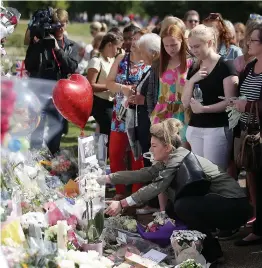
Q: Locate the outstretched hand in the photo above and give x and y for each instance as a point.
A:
(114, 208)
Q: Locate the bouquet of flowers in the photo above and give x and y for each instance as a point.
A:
(62, 165)
(190, 263)
(187, 244)
(72, 259)
(160, 220)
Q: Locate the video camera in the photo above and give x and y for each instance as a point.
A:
(42, 26)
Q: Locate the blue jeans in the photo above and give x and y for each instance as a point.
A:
(54, 121)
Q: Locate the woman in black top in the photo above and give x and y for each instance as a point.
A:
(208, 132)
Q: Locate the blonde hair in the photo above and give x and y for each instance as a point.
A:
(170, 20)
(98, 26)
(168, 132)
(204, 33)
(60, 15)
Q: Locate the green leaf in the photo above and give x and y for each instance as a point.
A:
(99, 221)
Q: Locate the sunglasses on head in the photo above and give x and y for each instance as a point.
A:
(213, 16)
(255, 17)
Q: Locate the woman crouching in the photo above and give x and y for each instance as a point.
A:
(215, 200)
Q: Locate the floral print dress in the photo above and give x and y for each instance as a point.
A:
(135, 74)
(169, 104)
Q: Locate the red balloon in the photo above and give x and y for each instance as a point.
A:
(73, 98)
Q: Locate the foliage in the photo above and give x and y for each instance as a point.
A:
(151, 8)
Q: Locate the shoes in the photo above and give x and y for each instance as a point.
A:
(146, 210)
(250, 222)
(253, 240)
(227, 235)
(212, 251)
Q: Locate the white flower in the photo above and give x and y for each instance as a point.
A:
(33, 218)
(66, 264)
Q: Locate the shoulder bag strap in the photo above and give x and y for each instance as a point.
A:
(127, 68)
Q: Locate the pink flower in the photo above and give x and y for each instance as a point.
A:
(169, 77)
(169, 115)
(156, 120)
(182, 81)
(72, 221)
(172, 97)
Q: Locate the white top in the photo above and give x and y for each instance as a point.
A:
(103, 67)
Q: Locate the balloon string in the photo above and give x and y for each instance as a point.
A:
(82, 133)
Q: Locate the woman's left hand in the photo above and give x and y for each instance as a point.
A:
(240, 105)
(196, 106)
(137, 99)
(114, 208)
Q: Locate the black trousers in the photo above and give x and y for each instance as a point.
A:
(102, 112)
(211, 211)
(204, 213)
(143, 131)
(257, 225)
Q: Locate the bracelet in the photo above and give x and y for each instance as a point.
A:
(121, 205)
(121, 86)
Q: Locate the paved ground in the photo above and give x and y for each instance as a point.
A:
(235, 257)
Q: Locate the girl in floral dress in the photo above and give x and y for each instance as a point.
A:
(174, 66)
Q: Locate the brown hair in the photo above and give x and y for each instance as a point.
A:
(60, 15)
(110, 38)
(251, 25)
(168, 132)
(190, 13)
(174, 31)
(224, 35)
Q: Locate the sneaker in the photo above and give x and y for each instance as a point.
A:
(146, 210)
(227, 235)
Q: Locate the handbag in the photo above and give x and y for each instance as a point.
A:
(121, 114)
(249, 143)
(190, 179)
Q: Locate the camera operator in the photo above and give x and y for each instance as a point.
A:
(50, 55)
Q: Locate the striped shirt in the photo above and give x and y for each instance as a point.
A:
(251, 88)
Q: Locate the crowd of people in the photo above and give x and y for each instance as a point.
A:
(144, 80)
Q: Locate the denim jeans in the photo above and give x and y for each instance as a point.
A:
(54, 122)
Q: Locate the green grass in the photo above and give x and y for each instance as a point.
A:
(15, 42)
(70, 140)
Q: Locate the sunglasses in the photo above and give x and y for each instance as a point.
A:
(213, 16)
(191, 21)
(255, 17)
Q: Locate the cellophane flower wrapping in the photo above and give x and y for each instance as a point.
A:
(187, 244)
(92, 169)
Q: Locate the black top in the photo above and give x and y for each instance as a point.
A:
(40, 62)
(212, 87)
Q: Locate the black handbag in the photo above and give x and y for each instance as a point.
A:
(190, 179)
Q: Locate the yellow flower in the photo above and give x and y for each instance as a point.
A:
(45, 162)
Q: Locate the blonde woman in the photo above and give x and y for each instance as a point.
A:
(224, 205)
(97, 31)
(208, 132)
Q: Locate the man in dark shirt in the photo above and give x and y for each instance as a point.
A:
(45, 62)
